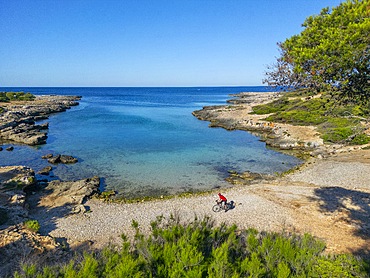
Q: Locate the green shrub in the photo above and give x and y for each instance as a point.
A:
(32, 225)
(336, 122)
(298, 117)
(200, 249)
(275, 106)
(9, 96)
(335, 135)
(3, 97)
(360, 139)
(338, 266)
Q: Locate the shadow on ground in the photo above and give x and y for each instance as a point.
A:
(351, 206)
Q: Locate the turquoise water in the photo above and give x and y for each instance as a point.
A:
(145, 141)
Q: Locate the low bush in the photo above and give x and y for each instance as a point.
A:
(336, 122)
(360, 139)
(10, 96)
(200, 249)
(32, 225)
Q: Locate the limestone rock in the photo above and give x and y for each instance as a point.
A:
(79, 209)
(67, 159)
(49, 155)
(18, 199)
(54, 159)
(60, 158)
(45, 171)
(18, 122)
(18, 243)
(71, 192)
(13, 181)
(18, 176)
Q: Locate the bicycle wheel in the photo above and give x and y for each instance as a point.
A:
(216, 208)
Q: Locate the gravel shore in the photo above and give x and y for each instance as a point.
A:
(328, 198)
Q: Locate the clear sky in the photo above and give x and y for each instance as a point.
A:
(145, 42)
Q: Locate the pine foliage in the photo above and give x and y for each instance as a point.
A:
(332, 53)
(200, 249)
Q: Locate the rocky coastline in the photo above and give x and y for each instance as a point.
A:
(239, 116)
(301, 140)
(18, 120)
(21, 192)
(71, 220)
(23, 198)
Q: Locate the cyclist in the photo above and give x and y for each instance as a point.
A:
(222, 199)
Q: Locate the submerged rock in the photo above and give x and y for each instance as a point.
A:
(68, 159)
(54, 159)
(49, 155)
(60, 158)
(45, 171)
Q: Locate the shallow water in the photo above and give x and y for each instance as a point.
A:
(145, 141)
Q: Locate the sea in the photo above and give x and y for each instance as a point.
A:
(146, 142)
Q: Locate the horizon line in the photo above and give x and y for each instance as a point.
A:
(201, 86)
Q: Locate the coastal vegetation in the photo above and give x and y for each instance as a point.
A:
(337, 122)
(14, 96)
(336, 101)
(201, 249)
(32, 225)
(331, 54)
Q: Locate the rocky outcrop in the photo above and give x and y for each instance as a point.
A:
(60, 158)
(14, 181)
(18, 122)
(45, 171)
(19, 245)
(240, 116)
(71, 193)
(16, 177)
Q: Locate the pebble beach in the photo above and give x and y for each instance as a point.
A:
(328, 198)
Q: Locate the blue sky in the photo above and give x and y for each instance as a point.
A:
(145, 43)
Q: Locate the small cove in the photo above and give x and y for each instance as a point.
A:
(145, 141)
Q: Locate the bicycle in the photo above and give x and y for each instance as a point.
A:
(219, 206)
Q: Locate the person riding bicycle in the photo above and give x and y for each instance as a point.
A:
(222, 199)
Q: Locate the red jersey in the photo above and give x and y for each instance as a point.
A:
(222, 197)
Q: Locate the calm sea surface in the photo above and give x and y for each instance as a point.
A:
(145, 141)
